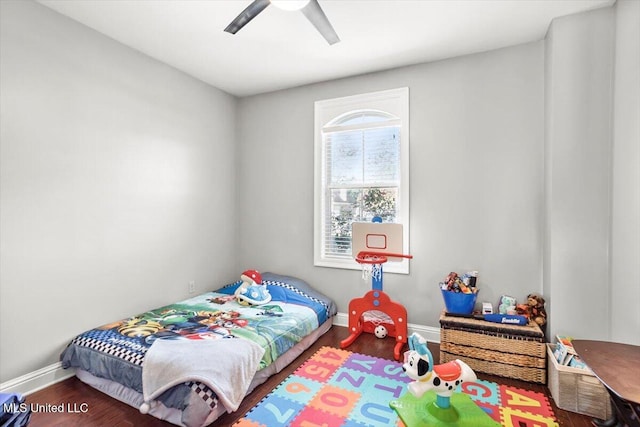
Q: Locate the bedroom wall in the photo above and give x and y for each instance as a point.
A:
(625, 216)
(117, 184)
(477, 139)
(578, 172)
(593, 183)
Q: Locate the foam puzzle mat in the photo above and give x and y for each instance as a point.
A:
(339, 388)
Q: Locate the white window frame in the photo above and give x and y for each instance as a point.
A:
(394, 102)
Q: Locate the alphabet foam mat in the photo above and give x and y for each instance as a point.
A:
(339, 388)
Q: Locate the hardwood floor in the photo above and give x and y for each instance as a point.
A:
(101, 410)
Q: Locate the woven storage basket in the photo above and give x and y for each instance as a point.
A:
(577, 390)
(499, 349)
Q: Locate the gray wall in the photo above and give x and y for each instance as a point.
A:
(625, 215)
(477, 139)
(592, 215)
(579, 73)
(117, 184)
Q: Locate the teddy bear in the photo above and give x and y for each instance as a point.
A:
(507, 305)
(534, 309)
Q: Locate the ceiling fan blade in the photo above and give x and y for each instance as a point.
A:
(315, 14)
(247, 15)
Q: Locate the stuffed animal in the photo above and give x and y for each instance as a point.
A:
(507, 305)
(252, 291)
(534, 309)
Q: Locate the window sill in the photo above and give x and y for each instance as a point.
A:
(348, 264)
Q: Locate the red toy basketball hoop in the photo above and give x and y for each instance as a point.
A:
(377, 300)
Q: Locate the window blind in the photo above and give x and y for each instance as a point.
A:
(361, 178)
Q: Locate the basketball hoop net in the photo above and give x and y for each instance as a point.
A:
(371, 263)
(371, 271)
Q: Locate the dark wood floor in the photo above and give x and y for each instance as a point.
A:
(105, 411)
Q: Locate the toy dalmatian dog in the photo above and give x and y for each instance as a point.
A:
(443, 379)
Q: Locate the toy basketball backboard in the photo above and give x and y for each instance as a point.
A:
(384, 238)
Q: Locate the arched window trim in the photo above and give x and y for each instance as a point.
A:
(339, 123)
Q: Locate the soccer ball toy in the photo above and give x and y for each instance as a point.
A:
(380, 331)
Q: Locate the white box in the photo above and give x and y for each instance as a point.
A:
(577, 390)
(487, 308)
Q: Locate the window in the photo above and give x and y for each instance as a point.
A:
(361, 171)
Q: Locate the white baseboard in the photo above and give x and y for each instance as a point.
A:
(37, 380)
(49, 375)
(429, 333)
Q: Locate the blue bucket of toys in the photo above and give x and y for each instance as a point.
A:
(459, 302)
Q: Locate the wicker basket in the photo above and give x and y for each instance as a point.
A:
(505, 350)
(577, 390)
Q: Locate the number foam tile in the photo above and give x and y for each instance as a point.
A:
(274, 411)
(316, 370)
(313, 417)
(298, 389)
(335, 400)
(331, 356)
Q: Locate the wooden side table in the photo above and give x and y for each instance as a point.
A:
(617, 366)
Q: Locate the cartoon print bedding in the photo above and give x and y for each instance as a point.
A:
(116, 351)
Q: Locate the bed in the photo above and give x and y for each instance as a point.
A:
(190, 362)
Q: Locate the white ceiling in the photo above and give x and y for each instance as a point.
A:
(281, 49)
